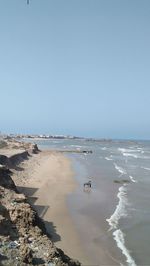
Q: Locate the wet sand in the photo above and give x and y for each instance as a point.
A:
(90, 209)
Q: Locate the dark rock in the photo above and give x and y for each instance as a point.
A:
(122, 181)
(5, 178)
(35, 149)
(18, 158)
(4, 160)
(87, 151)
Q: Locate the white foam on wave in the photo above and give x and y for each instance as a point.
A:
(138, 153)
(78, 149)
(139, 156)
(120, 169)
(122, 150)
(104, 149)
(76, 146)
(132, 179)
(127, 150)
(55, 141)
(119, 238)
(141, 150)
(120, 210)
(130, 155)
(108, 159)
(146, 168)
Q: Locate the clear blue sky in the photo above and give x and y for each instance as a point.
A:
(79, 67)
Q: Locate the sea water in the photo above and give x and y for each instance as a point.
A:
(114, 215)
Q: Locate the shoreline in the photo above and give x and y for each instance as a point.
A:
(49, 181)
(42, 181)
(97, 241)
(23, 236)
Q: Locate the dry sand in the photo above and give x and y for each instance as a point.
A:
(47, 179)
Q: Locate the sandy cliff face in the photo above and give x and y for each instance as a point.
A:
(23, 239)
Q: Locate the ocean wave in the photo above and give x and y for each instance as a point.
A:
(130, 155)
(120, 210)
(108, 159)
(119, 238)
(128, 150)
(146, 168)
(139, 150)
(132, 179)
(122, 149)
(137, 156)
(76, 146)
(120, 169)
(113, 221)
(104, 149)
(138, 153)
(55, 141)
(143, 157)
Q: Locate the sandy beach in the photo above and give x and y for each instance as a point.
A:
(47, 179)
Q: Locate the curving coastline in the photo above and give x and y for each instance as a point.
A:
(24, 238)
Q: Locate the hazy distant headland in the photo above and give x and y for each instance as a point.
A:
(49, 136)
(61, 137)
